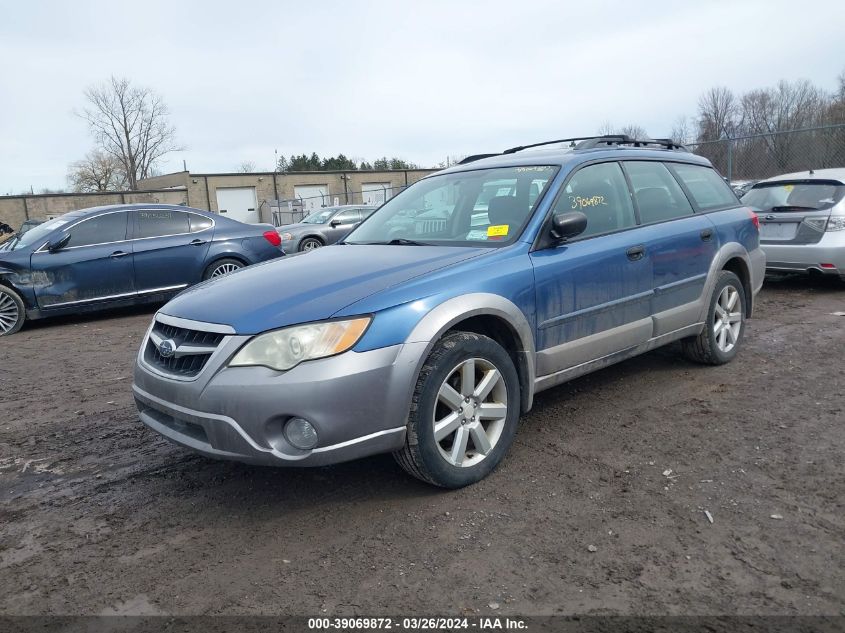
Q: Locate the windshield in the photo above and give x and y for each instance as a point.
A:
(319, 217)
(486, 207)
(794, 196)
(36, 234)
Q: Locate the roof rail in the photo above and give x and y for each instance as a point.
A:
(588, 142)
(474, 157)
(519, 148)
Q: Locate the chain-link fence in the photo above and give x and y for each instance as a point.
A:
(293, 210)
(758, 156)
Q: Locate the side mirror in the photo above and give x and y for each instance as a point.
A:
(568, 225)
(59, 243)
(335, 223)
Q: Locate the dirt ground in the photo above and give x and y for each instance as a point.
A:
(99, 515)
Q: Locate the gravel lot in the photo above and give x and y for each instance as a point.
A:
(99, 515)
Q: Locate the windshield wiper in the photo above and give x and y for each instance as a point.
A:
(396, 241)
(793, 207)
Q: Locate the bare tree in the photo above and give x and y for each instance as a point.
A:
(98, 171)
(682, 130)
(246, 167)
(632, 130)
(129, 123)
(717, 114)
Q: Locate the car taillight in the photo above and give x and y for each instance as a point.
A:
(273, 238)
(755, 219)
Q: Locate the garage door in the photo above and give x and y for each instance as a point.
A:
(313, 196)
(238, 203)
(374, 192)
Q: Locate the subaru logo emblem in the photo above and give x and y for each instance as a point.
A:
(167, 348)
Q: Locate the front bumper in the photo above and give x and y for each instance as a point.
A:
(808, 257)
(358, 402)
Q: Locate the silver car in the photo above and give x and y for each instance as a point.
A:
(323, 227)
(802, 221)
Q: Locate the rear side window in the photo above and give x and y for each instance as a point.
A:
(601, 193)
(99, 230)
(659, 196)
(161, 222)
(706, 187)
(199, 223)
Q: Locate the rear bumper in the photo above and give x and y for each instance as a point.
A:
(358, 402)
(808, 257)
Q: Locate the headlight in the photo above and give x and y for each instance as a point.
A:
(287, 237)
(286, 348)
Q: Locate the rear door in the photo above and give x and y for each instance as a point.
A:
(794, 212)
(593, 292)
(681, 243)
(95, 265)
(168, 256)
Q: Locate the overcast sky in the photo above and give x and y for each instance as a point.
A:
(420, 80)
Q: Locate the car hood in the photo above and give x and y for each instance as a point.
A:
(309, 287)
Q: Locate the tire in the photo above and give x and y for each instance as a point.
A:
(309, 244)
(441, 462)
(222, 267)
(12, 311)
(718, 344)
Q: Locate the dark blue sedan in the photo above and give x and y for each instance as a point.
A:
(121, 255)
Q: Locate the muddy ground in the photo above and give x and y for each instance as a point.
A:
(99, 515)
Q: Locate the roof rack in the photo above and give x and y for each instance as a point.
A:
(609, 140)
(589, 142)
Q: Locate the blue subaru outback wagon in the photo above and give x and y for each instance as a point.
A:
(432, 343)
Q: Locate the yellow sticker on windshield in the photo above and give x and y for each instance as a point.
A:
(789, 188)
(498, 230)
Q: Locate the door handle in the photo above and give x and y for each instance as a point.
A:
(706, 235)
(118, 254)
(635, 252)
(197, 242)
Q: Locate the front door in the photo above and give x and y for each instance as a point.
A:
(95, 265)
(341, 224)
(593, 292)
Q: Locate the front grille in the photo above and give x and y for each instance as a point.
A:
(183, 364)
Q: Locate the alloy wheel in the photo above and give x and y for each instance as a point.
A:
(224, 269)
(470, 412)
(310, 245)
(727, 319)
(8, 313)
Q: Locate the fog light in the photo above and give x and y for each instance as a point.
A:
(301, 433)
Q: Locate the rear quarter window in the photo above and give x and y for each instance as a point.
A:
(707, 188)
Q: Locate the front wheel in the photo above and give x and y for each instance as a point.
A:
(721, 337)
(222, 267)
(309, 244)
(12, 312)
(464, 412)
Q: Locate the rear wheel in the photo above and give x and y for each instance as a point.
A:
(12, 312)
(721, 337)
(464, 412)
(222, 267)
(309, 244)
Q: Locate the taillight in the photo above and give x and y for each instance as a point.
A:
(755, 220)
(273, 238)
